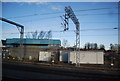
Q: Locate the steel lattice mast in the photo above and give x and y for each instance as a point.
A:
(70, 14)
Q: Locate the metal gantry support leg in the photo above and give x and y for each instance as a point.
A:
(69, 13)
(21, 44)
(21, 30)
(77, 45)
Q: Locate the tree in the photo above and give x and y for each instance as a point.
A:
(95, 46)
(39, 35)
(65, 43)
(119, 48)
(116, 47)
(111, 46)
(27, 35)
(87, 45)
(102, 47)
(48, 35)
(91, 45)
(34, 34)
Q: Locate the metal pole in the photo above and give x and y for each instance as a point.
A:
(77, 45)
(21, 33)
(21, 44)
(70, 14)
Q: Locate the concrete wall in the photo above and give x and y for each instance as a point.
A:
(30, 53)
(87, 57)
(64, 56)
(45, 56)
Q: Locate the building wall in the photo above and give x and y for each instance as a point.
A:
(64, 56)
(30, 53)
(15, 52)
(45, 56)
(32, 47)
(34, 41)
(86, 57)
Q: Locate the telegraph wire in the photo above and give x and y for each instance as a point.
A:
(95, 35)
(95, 9)
(92, 35)
(60, 12)
(24, 16)
(99, 22)
(76, 15)
(70, 30)
(99, 14)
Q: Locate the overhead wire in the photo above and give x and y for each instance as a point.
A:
(47, 18)
(96, 9)
(63, 12)
(74, 11)
(95, 35)
(60, 12)
(70, 30)
(98, 14)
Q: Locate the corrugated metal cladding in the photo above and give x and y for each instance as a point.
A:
(34, 41)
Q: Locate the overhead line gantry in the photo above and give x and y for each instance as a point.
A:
(70, 14)
(20, 29)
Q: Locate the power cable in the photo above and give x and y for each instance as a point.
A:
(59, 12)
(70, 30)
(94, 35)
(99, 14)
(76, 15)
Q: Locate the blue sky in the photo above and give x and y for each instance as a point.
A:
(96, 25)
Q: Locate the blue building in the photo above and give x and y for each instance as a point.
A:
(40, 43)
(32, 48)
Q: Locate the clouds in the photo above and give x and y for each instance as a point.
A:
(37, 2)
(55, 8)
(40, 1)
(48, 4)
(60, 0)
(20, 0)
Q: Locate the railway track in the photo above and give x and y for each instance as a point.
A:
(72, 72)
